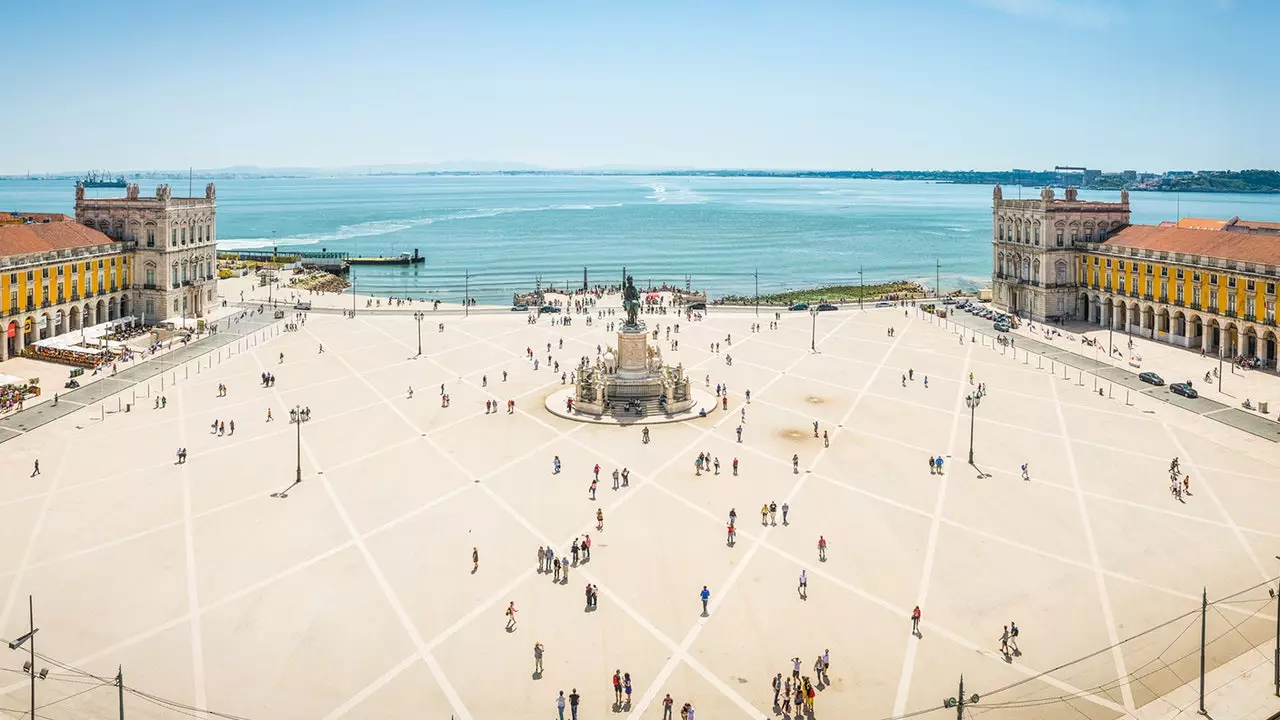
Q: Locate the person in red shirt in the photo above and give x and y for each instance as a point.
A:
(915, 621)
(822, 548)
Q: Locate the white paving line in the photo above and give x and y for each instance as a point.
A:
(682, 651)
(1104, 599)
(926, 572)
(643, 622)
(21, 572)
(193, 585)
(898, 612)
(1203, 485)
(450, 692)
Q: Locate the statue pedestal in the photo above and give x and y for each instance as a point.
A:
(633, 354)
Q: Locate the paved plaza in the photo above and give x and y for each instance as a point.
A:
(219, 583)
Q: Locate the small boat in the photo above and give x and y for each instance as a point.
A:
(403, 258)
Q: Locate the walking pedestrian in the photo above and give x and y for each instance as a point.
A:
(475, 560)
(826, 441)
(933, 468)
(764, 514)
(822, 549)
(555, 465)
(730, 539)
(542, 558)
(739, 433)
(773, 513)
(1004, 642)
(667, 702)
(511, 617)
(785, 509)
(594, 482)
(615, 478)
(705, 595)
(560, 704)
(795, 464)
(915, 621)
(795, 668)
(804, 585)
(1025, 476)
(574, 698)
(1013, 637)
(626, 687)
(735, 466)
(36, 470)
(537, 659)
(599, 519)
(586, 548)
(777, 688)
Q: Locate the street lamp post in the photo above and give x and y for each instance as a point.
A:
(297, 413)
(30, 640)
(418, 316)
(1277, 658)
(972, 400)
(813, 336)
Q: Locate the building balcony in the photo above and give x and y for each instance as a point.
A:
(1251, 318)
(61, 299)
(45, 303)
(1231, 314)
(1148, 296)
(14, 310)
(75, 296)
(1269, 321)
(150, 286)
(115, 288)
(101, 292)
(1195, 304)
(30, 307)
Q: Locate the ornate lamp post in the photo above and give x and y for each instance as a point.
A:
(297, 413)
(972, 400)
(418, 316)
(813, 334)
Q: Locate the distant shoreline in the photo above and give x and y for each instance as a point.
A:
(1264, 182)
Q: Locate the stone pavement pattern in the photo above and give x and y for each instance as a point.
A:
(353, 596)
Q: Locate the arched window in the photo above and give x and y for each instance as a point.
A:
(1026, 269)
(1035, 271)
(1060, 272)
(1000, 230)
(1035, 231)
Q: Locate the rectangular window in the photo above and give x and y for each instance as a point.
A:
(1164, 271)
(30, 276)
(1148, 286)
(1179, 274)
(1095, 261)
(1231, 303)
(1059, 239)
(1088, 236)
(1195, 277)
(174, 239)
(1177, 291)
(1108, 262)
(1249, 285)
(1231, 282)
(1213, 279)
(1271, 312)
(1271, 288)
(1075, 236)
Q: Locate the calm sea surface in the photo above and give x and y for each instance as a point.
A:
(509, 231)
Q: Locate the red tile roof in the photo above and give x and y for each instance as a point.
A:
(45, 237)
(1240, 246)
(1201, 223)
(21, 217)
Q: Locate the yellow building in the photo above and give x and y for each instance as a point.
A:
(1202, 284)
(56, 276)
(1208, 284)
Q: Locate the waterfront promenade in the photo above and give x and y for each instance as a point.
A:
(219, 583)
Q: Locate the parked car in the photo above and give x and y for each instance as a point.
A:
(697, 306)
(1150, 377)
(884, 303)
(520, 308)
(948, 301)
(303, 305)
(826, 307)
(1184, 389)
(1000, 326)
(799, 306)
(548, 309)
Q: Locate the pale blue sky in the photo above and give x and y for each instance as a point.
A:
(957, 84)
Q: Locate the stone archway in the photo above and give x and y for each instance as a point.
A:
(73, 317)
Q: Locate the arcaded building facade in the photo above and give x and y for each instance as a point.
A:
(1035, 246)
(1197, 283)
(174, 247)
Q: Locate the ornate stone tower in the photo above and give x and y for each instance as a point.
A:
(174, 244)
(1035, 246)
